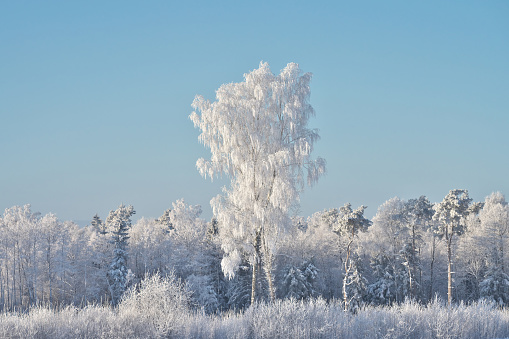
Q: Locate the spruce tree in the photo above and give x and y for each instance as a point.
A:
(119, 223)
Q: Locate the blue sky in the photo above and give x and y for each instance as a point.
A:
(411, 98)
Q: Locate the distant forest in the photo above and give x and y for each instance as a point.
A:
(401, 254)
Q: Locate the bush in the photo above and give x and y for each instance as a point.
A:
(157, 302)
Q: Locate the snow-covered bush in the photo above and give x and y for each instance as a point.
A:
(158, 302)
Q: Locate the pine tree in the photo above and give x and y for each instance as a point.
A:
(450, 216)
(119, 223)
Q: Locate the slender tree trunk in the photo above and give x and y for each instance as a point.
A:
(267, 265)
(253, 283)
(268, 272)
(449, 270)
(14, 277)
(255, 267)
(411, 268)
(433, 248)
(7, 279)
(35, 272)
(348, 266)
(420, 272)
(2, 289)
(502, 253)
(410, 285)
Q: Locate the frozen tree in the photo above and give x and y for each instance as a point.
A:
(418, 214)
(494, 218)
(349, 222)
(355, 284)
(389, 235)
(50, 230)
(450, 216)
(383, 290)
(494, 224)
(22, 243)
(257, 133)
(148, 247)
(98, 225)
(238, 293)
(119, 223)
(165, 220)
(495, 285)
(298, 282)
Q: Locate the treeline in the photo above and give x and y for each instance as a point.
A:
(410, 250)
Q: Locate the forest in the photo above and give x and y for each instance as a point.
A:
(57, 277)
(257, 268)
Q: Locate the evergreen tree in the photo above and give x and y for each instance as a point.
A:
(355, 285)
(239, 288)
(495, 286)
(165, 220)
(298, 282)
(119, 223)
(450, 216)
(348, 224)
(383, 290)
(99, 225)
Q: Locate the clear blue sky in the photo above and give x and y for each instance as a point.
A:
(411, 97)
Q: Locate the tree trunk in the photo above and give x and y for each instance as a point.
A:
(502, 254)
(267, 265)
(255, 266)
(253, 283)
(268, 273)
(449, 270)
(433, 247)
(411, 268)
(348, 266)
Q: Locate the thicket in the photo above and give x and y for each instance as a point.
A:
(160, 307)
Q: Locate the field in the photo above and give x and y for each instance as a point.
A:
(282, 319)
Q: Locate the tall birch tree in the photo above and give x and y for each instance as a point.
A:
(258, 135)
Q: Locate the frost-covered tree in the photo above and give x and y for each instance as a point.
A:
(98, 224)
(149, 246)
(165, 220)
(450, 216)
(383, 290)
(22, 241)
(119, 223)
(418, 215)
(298, 282)
(258, 135)
(495, 285)
(356, 284)
(349, 222)
(238, 293)
(494, 218)
(389, 236)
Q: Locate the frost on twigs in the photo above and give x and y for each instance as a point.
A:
(161, 302)
(257, 132)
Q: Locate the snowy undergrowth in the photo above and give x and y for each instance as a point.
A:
(159, 308)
